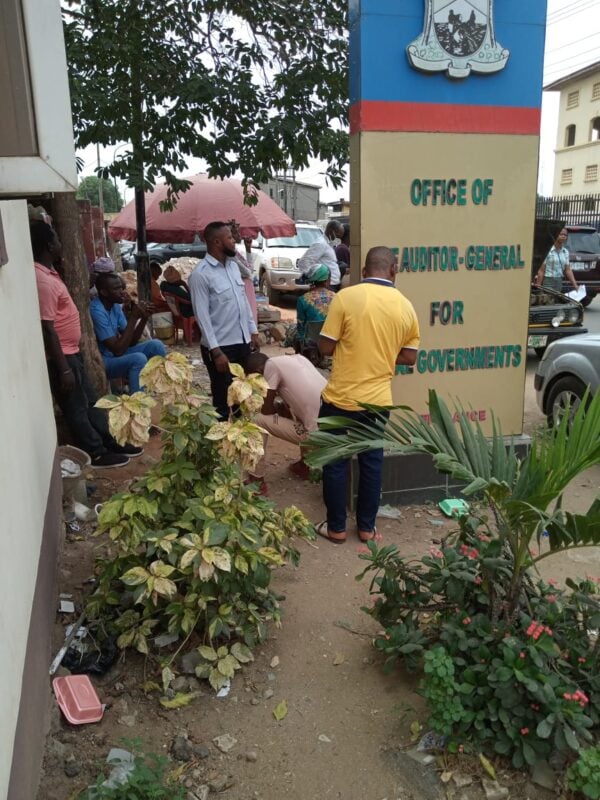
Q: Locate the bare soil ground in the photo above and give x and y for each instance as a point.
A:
(348, 724)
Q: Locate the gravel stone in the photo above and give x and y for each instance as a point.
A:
(225, 743)
(72, 767)
(181, 749)
(200, 751)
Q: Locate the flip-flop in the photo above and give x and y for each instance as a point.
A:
(366, 536)
(322, 530)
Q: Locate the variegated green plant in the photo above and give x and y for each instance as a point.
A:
(511, 663)
(524, 494)
(193, 546)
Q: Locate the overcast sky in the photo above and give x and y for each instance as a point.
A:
(572, 42)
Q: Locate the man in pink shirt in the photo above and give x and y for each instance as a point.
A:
(70, 385)
(291, 407)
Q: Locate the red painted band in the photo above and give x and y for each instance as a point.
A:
(376, 115)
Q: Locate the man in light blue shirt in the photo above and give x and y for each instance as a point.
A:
(117, 336)
(224, 316)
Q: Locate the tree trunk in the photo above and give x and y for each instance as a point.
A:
(65, 215)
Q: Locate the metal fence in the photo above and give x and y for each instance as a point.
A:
(573, 209)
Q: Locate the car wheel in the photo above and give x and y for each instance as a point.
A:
(588, 299)
(564, 397)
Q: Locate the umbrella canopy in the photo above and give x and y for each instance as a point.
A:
(207, 200)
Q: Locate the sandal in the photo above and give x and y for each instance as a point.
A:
(332, 536)
(366, 536)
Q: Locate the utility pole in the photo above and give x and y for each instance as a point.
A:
(101, 197)
(285, 190)
(137, 147)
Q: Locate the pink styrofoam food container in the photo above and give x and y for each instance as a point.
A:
(77, 699)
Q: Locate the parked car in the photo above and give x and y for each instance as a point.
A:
(278, 272)
(160, 253)
(128, 258)
(126, 248)
(552, 315)
(583, 244)
(567, 369)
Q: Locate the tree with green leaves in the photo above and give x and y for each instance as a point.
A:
(89, 189)
(247, 87)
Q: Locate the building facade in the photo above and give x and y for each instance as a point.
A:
(36, 156)
(577, 166)
(299, 200)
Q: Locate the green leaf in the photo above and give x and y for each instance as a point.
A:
(217, 680)
(208, 653)
(221, 559)
(135, 576)
(216, 533)
(227, 666)
(180, 700)
(240, 563)
(242, 653)
(167, 676)
(160, 569)
(488, 766)
(280, 711)
(545, 728)
(571, 738)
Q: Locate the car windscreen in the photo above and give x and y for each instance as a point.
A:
(583, 242)
(304, 238)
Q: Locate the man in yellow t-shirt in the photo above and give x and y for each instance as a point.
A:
(370, 328)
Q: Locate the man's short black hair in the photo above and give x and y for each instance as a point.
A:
(103, 279)
(212, 230)
(334, 227)
(155, 269)
(256, 363)
(42, 236)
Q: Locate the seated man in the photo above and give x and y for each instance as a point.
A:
(100, 265)
(291, 407)
(118, 337)
(158, 301)
(174, 284)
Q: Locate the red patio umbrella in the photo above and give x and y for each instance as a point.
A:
(207, 200)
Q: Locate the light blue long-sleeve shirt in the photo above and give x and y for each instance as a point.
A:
(220, 304)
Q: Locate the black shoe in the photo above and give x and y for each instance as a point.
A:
(109, 461)
(129, 450)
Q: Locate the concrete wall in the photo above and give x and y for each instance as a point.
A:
(28, 488)
(583, 153)
(299, 200)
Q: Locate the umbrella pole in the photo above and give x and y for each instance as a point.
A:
(142, 261)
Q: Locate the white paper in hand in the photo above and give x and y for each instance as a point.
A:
(578, 294)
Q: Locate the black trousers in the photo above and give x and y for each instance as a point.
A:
(219, 381)
(88, 425)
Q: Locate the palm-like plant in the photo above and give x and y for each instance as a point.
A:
(525, 494)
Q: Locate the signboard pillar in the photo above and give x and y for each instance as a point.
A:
(445, 120)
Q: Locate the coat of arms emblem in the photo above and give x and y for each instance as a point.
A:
(458, 38)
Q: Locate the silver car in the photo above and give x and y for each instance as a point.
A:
(278, 271)
(568, 367)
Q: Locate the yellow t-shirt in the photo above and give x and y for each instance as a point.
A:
(371, 323)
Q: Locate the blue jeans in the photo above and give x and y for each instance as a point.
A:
(133, 361)
(335, 477)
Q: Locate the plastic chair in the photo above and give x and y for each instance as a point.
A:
(187, 325)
